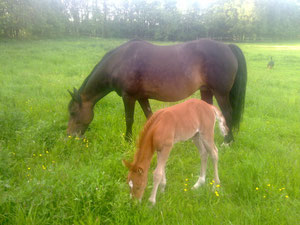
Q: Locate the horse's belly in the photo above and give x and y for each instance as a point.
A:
(171, 91)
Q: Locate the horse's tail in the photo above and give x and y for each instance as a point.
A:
(222, 122)
(238, 90)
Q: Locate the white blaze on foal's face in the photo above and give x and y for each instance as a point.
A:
(137, 182)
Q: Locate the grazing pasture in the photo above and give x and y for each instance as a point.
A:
(47, 177)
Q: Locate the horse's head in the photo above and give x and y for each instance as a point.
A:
(81, 114)
(137, 180)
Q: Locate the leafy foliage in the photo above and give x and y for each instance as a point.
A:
(155, 19)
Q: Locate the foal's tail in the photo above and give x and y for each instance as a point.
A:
(238, 90)
(222, 122)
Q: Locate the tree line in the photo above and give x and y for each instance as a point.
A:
(151, 19)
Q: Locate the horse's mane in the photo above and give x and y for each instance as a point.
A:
(103, 60)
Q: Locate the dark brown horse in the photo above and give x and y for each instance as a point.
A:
(138, 70)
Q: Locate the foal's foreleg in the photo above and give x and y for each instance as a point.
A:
(203, 154)
(159, 173)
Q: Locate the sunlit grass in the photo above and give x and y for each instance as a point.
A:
(47, 177)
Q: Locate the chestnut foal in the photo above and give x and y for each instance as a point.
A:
(191, 119)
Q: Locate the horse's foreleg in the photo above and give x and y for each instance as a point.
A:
(144, 103)
(203, 154)
(129, 103)
(159, 172)
(226, 109)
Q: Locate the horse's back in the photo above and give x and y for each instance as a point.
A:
(171, 73)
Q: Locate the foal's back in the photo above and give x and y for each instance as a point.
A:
(183, 121)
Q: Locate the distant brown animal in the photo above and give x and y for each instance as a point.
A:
(191, 119)
(139, 71)
(270, 64)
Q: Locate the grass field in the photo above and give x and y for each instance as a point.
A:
(48, 178)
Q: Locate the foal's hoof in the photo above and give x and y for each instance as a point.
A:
(152, 201)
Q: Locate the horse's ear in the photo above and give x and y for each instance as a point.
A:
(71, 94)
(140, 170)
(126, 164)
(75, 95)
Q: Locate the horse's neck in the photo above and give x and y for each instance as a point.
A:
(94, 88)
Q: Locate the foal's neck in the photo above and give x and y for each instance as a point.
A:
(143, 157)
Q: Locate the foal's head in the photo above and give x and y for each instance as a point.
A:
(81, 115)
(137, 180)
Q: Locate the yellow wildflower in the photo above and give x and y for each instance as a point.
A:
(186, 179)
(218, 185)
(185, 184)
(268, 185)
(286, 196)
(264, 196)
(257, 188)
(29, 168)
(185, 189)
(217, 194)
(34, 155)
(41, 155)
(44, 167)
(47, 152)
(70, 136)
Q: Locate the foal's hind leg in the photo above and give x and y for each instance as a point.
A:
(129, 103)
(212, 149)
(203, 154)
(144, 103)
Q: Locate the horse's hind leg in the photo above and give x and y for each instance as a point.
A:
(129, 103)
(206, 95)
(203, 154)
(224, 103)
(144, 103)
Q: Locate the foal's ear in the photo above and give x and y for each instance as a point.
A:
(140, 170)
(126, 164)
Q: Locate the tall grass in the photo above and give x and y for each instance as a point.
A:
(49, 178)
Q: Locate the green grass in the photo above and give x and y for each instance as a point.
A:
(48, 178)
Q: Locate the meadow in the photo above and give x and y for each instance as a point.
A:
(47, 177)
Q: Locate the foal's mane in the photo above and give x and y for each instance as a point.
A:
(144, 136)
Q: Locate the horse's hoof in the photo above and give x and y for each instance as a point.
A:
(226, 145)
(128, 138)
